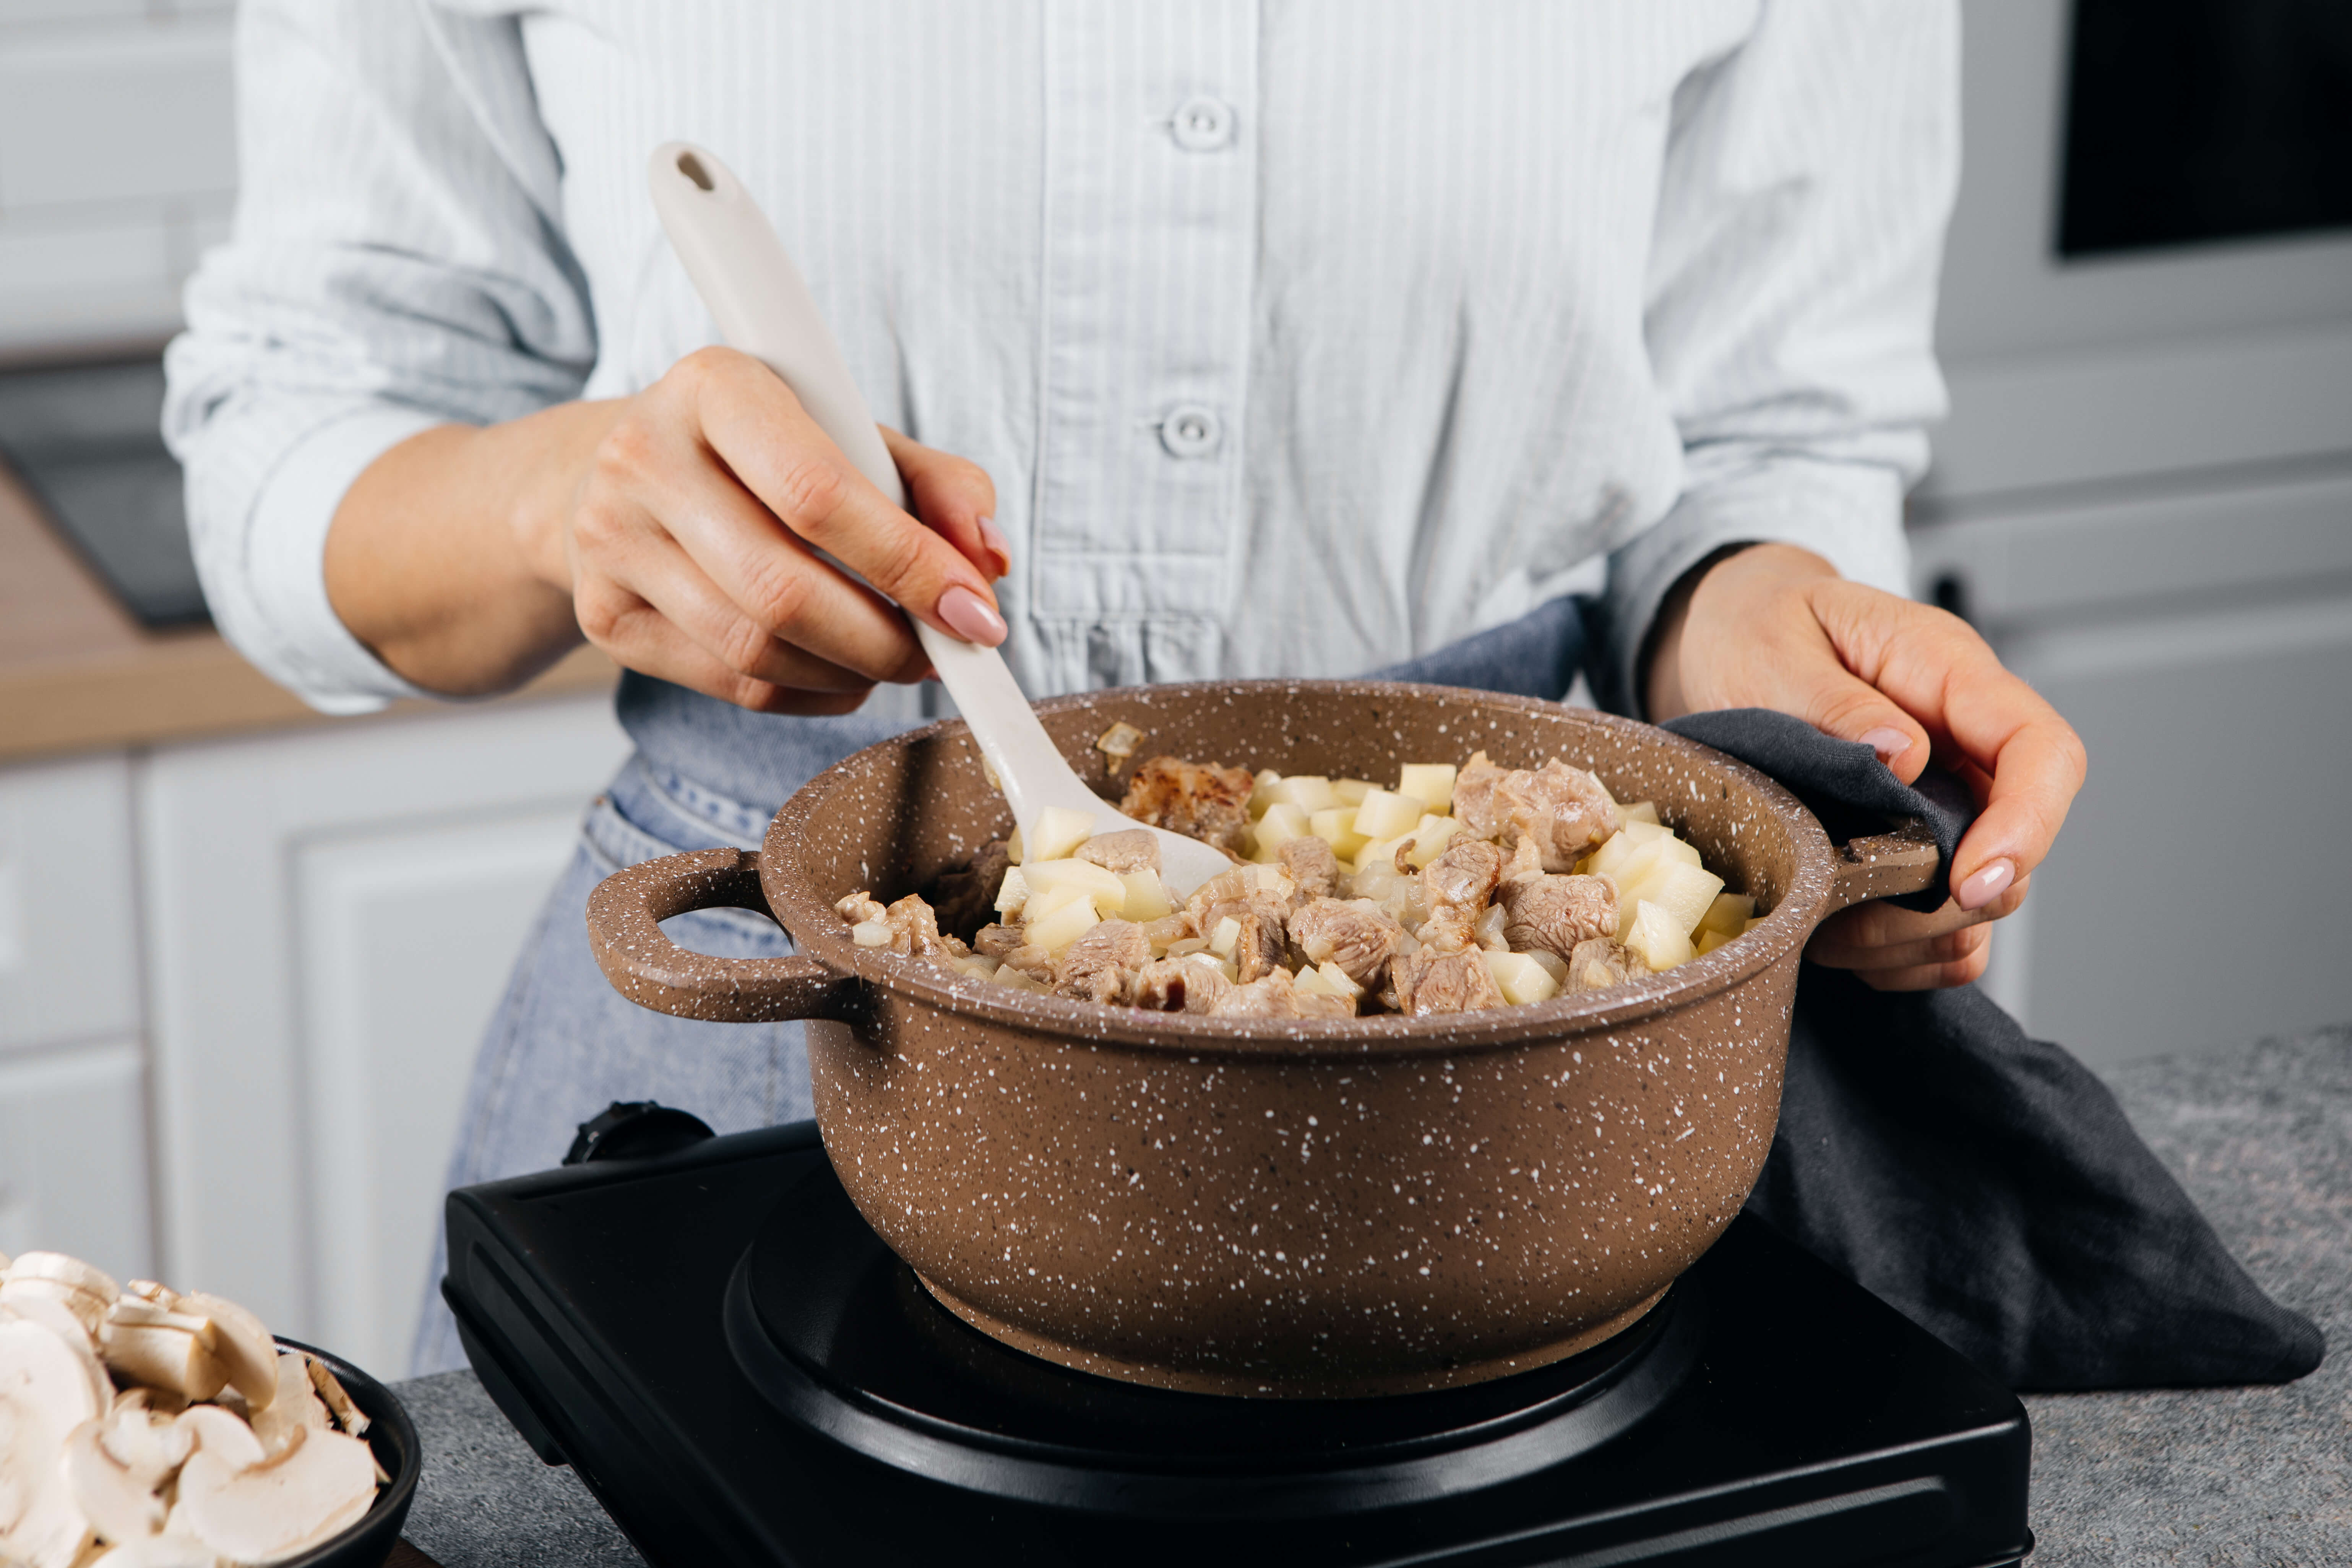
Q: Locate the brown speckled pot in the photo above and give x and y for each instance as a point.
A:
(1333, 1208)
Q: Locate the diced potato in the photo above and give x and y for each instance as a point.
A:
(1064, 926)
(1311, 793)
(871, 933)
(1222, 939)
(1351, 792)
(1283, 821)
(1101, 883)
(1709, 939)
(1642, 811)
(1431, 783)
(1008, 975)
(1040, 905)
(1263, 794)
(978, 966)
(1656, 940)
(1378, 852)
(1429, 837)
(1751, 925)
(1622, 843)
(1119, 740)
(1013, 850)
(1013, 892)
(1330, 979)
(1682, 892)
(1520, 978)
(1551, 963)
(1059, 830)
(1387, 815)
(1146, 897)
(1631, 867)
(1335, 825)
(1729, 914)
(1274, 879)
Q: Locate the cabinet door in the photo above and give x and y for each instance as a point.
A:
(69, 944)
(73, 1157)
(2200, 641)
(333, 916)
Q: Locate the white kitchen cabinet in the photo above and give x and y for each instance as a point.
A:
(73, 1156)
(2200, 639)
(331, 916)
(68, 937)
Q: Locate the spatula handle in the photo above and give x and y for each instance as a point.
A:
(764, 308)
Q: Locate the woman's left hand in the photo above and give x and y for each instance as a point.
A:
(1772, 625)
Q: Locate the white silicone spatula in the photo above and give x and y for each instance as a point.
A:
(764, 308)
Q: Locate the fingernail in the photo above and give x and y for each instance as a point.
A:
(993, 537)
(1990, 882)
(1888, 741)
(969, 616)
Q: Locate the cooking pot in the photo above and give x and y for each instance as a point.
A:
(1331, 1207)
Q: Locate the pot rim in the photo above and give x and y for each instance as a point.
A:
(1785, 927)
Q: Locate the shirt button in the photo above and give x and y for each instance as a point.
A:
(1203, 124)
(1190, 432)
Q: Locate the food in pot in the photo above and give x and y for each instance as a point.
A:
(147, 1430)
(1458, 889)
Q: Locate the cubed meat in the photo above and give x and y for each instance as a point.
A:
(1556, 914)
(1563, 809)
(1431, 981)
(914, 929)
(1355, 935)
(1314, 870)
(997, 941)
(1127, 851)
(1177, 985)
(1209, 803)
(1474, 795)
(1275, 995)
(1258, 903)
(1466, 874)
(1601, 962)
(1100, 965)
(966, 900)
(1033, 961)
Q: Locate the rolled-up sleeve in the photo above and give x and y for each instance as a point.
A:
(1791, 303)
(397, 263)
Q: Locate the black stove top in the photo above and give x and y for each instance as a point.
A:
(743, 1373)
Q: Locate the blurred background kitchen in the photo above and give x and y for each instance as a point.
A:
(246, 953)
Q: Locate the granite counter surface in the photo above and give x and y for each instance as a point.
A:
(2214, 1478)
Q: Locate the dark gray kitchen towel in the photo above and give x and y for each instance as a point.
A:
(1984, 1183)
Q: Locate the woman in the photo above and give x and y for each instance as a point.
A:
(1227, 339)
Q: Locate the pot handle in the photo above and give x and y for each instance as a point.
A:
(1886, 865)
(625, 912)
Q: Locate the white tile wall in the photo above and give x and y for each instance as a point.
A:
(118, 164)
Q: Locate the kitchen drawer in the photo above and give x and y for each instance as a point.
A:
(73, 1157)
(68, 937)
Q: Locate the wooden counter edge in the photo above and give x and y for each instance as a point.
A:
(196, 686)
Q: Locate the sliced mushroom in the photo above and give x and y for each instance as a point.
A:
(228, 1439)
(322, 1484)
(243, 1345)
(121, 1504)
(175, 1356)
(45, 1393)
(84, 1291)
(296, 1405)
(161, 1551)
(60, 1322)
(348, 1415)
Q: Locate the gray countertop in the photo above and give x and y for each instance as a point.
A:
(2214, 1478)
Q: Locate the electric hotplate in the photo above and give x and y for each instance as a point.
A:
(742, 1374)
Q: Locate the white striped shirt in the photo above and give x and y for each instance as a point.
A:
(1298, 336)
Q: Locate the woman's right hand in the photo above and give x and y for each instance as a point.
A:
(690, 545)
(680, 530)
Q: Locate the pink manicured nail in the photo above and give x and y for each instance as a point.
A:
(993, 537)
(1990, 882)
(969, 616)
(1888, 741)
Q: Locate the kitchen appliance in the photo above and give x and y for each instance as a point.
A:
(1317, 1207)
(743, 1373)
